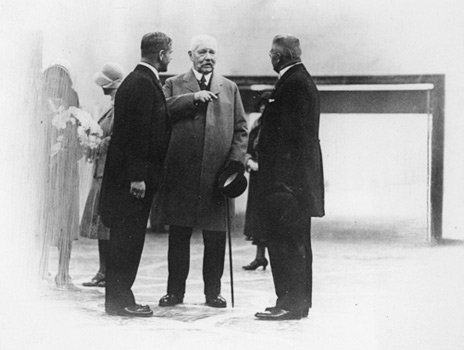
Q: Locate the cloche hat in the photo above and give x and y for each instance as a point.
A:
(110, 76)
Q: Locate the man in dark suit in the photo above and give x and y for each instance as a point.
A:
(290, 179)
(209, 132)
(133, 171)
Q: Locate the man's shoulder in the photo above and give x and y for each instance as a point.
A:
(226, 82)
(179, 77)
(142, 72)
(221, 78)
(298, 75)
(138, 76)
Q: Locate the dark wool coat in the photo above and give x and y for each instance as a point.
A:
(202, 143)
(138, 145)
(288, 149)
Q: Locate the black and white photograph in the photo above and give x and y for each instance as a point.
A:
(243, 174)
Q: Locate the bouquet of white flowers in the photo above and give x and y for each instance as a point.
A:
(89, 132)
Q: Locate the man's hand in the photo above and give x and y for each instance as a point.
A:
(204, 96)
(252, 165)
(137, 189)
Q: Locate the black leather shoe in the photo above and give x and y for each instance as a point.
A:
(271, 308)
(278, 315)
(136, 311)
(304, 312)
(171, 300)
(216, 301)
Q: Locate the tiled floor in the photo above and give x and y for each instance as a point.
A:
(367, 295)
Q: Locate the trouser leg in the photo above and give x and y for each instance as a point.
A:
(213, 261)
(309, 266)
(288, 254)
(127, 237)
(298, 274)
(178, 258)
(278, 256)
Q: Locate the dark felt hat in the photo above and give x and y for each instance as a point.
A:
(231, 180)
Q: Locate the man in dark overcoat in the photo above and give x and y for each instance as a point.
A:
(290, 179)
(209, 132)
(133, 171)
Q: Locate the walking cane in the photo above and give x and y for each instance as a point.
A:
(232, 183)
(229, 239)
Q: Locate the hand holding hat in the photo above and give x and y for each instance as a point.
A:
(231, 180)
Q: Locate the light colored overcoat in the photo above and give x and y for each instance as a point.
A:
(201, 144)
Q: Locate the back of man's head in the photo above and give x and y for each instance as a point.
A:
(153, 43)
(288, 46)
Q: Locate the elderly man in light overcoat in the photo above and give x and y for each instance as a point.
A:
(209, 133)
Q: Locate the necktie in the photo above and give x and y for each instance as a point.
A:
(203, 85)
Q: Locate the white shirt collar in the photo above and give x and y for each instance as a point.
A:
(283, 70)
(153, 69)
(199, 75)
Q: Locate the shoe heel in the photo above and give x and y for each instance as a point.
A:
(265, 262)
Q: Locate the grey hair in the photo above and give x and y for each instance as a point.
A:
(200, 38)
(289, 46)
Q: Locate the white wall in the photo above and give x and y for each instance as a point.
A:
(357, 37)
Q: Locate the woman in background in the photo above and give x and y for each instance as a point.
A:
(64, 150)
(109, 79)
(253, 228)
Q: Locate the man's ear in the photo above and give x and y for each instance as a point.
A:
(190, 54)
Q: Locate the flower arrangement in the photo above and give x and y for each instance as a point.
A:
(89, 133)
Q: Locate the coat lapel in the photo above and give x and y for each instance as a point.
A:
(216, 84)
(191, 82)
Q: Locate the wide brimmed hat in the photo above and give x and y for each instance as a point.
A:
(231, 180)
(110, 76)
